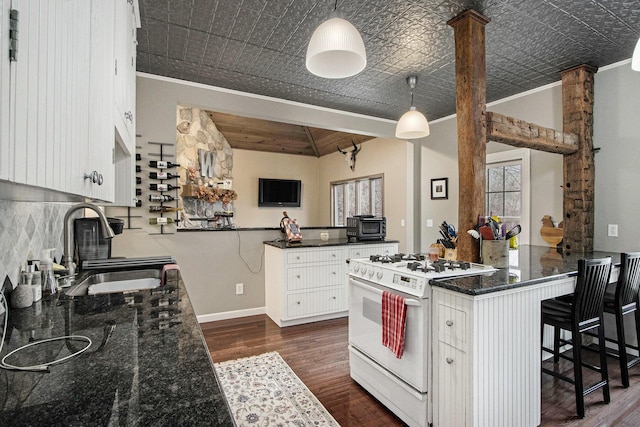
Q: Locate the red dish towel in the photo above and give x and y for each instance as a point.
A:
(394, 316)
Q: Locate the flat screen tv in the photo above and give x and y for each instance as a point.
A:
(279, 192)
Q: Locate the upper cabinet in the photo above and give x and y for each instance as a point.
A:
(125, 72)
(58, 97)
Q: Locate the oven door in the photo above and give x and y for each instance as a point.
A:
(365, 332)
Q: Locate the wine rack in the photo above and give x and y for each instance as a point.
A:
(158, 182)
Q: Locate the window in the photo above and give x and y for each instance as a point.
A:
(360, 196)
(507, 189)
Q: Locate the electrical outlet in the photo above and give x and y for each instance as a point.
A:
(429, 223)
(612, 230)
(239, 288)
(402, 223)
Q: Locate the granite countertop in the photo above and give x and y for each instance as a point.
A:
(147, 365)
(528, 265)
(317, 243)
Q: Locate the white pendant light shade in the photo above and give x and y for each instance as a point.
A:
(336, 49)
(413, 124)
(635, 59)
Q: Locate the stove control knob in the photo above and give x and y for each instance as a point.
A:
(371, 273)
(364, 270)
(355, 268)
(379, 274)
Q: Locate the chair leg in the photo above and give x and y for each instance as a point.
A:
(577, 369)
(622, 349)
(604, 371)
(556, 344)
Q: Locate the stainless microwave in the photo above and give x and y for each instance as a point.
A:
(366, 227)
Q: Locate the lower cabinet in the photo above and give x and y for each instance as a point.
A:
(305, 285)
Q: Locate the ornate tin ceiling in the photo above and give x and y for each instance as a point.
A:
(259, 46)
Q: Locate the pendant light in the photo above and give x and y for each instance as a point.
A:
(336, 49)
(635, 59)
(413, 124)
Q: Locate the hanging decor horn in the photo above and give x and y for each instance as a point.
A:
(350, 156)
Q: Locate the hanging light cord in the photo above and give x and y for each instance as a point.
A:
(44, 366)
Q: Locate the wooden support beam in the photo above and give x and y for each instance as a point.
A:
(312, 141)
(578, 171)
(518, 133)
(468, 28)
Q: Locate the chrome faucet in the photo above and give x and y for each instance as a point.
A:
(107, 233)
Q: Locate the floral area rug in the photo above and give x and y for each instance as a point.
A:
(263, 391)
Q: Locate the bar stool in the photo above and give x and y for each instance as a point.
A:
(620, 299)
(580, 314)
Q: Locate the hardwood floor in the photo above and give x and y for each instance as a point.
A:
(317, 353)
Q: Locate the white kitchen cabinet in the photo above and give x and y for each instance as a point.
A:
(487, 356)
(308, 284)
(124, 72)
(57, 101)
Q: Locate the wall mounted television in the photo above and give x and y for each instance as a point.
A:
(279, 192)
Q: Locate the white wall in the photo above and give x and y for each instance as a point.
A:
(616, 131)
(390, 157)
(542, 106)
(212, 262)
(248, 166)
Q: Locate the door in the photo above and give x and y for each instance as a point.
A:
(365, 332)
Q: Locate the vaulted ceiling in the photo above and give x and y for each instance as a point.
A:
(259, 46)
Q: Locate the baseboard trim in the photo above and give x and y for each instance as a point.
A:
(231, 314)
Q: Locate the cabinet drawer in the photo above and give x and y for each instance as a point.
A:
(317, 302)
(299, 257)
(316, 276)
(452, 325)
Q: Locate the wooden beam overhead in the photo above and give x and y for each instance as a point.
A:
(518, 133)
(311, 140)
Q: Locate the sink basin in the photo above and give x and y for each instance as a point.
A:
(116, 281)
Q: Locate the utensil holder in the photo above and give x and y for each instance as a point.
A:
(495, 253)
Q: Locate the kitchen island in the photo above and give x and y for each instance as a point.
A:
(486, 338)
(148, 363)
(307, 282)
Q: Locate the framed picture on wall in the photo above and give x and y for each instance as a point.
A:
(439, 188)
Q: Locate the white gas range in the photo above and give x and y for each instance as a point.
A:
(401, 384)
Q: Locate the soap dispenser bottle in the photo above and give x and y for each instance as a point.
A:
(49, 285)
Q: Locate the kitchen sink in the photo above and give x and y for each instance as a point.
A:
(115, 281)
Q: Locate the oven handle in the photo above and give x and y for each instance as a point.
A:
(407, 301)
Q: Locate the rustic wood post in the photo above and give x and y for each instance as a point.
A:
(468, 28)
(578, 170)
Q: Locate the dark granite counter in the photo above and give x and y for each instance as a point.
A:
(528, 265)
(317, 243)
(147, 366)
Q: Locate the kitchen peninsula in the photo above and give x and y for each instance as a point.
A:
(147, 365)
(486, 338)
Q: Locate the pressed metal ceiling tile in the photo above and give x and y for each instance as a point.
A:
(258, 46)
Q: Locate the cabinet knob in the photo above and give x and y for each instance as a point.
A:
(333, 255)
(449, 360)
(449, 323)
(297, 276)
(298, 257)
(333, 297)
(298, 302)
(334, 273)
(94, 177)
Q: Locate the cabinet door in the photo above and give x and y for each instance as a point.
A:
(124, 72)
(102, 133)
(450, 402)
(49, 94)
